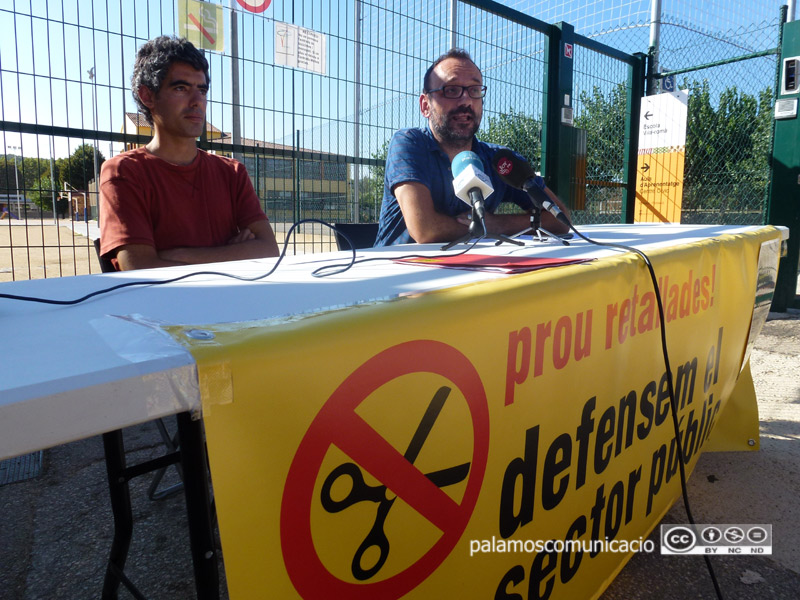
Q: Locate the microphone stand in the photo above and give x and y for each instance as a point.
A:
(539, 233)
(472, 234)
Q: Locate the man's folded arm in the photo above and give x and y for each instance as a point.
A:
(424, 223)
(256, 241)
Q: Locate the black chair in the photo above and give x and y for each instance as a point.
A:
(106, 266)
(362, 235)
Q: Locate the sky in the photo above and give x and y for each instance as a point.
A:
(47, 48)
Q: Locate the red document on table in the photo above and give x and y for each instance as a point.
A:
(486, 262)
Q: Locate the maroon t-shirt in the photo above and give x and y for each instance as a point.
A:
(146, 200)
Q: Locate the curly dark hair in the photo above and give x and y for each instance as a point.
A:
(452, 53)
(154, 60)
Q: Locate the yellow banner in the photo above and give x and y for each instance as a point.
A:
(202, 24)
(441, 446)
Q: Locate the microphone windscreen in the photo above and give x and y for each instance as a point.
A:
(462, 160)
(511, 168)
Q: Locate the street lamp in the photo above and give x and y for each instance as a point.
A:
(16, 177)
(91, 72)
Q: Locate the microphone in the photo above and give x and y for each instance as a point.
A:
(517, 172)
(470, 183)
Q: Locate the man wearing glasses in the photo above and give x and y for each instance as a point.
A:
(419, 203)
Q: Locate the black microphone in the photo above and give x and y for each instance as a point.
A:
(517, 172)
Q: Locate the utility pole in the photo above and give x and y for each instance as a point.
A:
(16, 177)
(92, 78)
(357, 118)
(53, 178)
(453, 23)
(236, 127)
(655, 37)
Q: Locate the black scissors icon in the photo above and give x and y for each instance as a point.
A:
(361, 492)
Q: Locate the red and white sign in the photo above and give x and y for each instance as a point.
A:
(256, 6)
(338, 424)
(568, 50)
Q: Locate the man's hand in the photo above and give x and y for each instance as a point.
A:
(424, 224)
(506, 224)
(243, 236)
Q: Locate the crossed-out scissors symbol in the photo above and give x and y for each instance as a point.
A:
(360, 491)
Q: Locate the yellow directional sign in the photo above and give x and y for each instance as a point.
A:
(662, 145)
(201, 23)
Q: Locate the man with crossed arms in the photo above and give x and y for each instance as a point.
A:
(170, 203)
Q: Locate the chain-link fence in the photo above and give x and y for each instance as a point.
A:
(600, 88)
(731, 81)
(314, 139)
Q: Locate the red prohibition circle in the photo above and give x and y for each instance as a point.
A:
(255, 6)
(335, 424)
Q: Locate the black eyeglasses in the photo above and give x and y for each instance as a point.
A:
(456, 91)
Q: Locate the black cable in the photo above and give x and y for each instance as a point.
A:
(340, 268)
(155, 282)
(670, 388)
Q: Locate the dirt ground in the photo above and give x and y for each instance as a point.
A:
(42, 250)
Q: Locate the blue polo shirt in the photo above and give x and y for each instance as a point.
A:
(415, 155)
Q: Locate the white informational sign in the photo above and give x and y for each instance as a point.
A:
(786, 108)
(300, 48)
(662, 121)
(662, 147)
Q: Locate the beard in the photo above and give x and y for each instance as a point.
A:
(454, 132)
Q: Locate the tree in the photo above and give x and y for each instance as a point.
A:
(8, 178)
(78, 169)
(518, 131)
(602, 116)
(28, 173)
(370, 188)
(727, 150)
(43, 192)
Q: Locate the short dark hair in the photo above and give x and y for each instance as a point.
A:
(154, 60)
(452, 53)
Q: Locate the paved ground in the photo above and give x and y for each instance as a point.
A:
(742, 487)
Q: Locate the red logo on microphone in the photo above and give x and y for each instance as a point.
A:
(504, 166)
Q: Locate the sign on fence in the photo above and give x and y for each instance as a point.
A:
(201, 23)
(300, 48)
(662, 145)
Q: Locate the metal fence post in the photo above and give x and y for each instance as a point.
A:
(558, 107)
(636, 85)
(785, 177)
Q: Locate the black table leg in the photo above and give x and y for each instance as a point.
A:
(192, 456)
(198, 507)
(121, 509)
